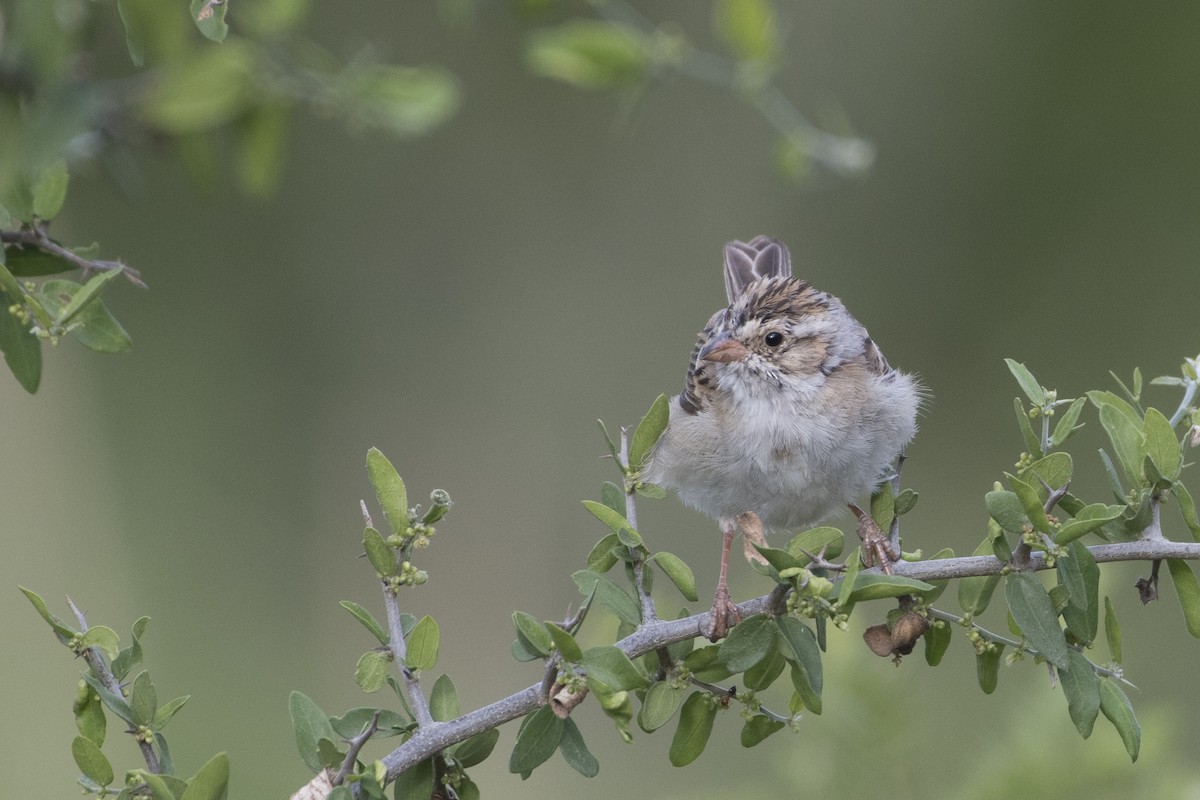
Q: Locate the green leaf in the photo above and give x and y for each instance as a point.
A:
(91, 761)
(416, 783)
(103, 638)
(1066, 424)
(805, 655)
(1116, 708)
(203, 90)
(616, 523)
(389, 488)
(98, 330)
(1090, 518)
(612, 449)
(1006, 509)
(1187, 506)
(443, 700)
(355, 721)
(476, 749)
(423, 644)
(679, 573)
(659, 706)
(612, 496)
(987, 668)
(1188, 591)
(80, 296)
(748, 643)
(1030, 606)
(1029, 384)
(1053, 470)
(371, 671)
(850, 576)
(536, 637)
(589, 54)
(1031, 502)
(89, 714)
(1160, 445)
(608, 595)
(764, 673)
(160, 785)
(564, 642)
(757, 728)
(209, 16)
(1082, 577)
(906, 501)
(404, 101)
(1112, 631)
(747, 27)
(877, 585)
(648, 431)
(537, 740)
(365, 618)
(262, 139)
(1082, 690)
(602, 558)
(937, 640)
(883, 505)
(211, 782)
(1126, 437)
(168, 710)
(22, 349)
(60, 628)
(695, 726)
(113, 702)
(816, 540)
(1032, 443)
(609, 665)
(143, 701)
(310, 725)
(575, 751)
(381, 556)
(50, 190)
(1101, 399)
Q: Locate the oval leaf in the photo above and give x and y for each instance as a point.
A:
(381, 556)
(1081, 687)
(679, 573)
(535, 634)
(747, 644)
(609, 665)
(423, 644)
(310, 725)
(1033, 611)
(416, 783)
(364, 617)
(1116, 708)
(659, 706)
(1188, 591)
(371, 671)
(211, 782)
(877, 585)
(695, 726)
(648, 431)
(536, 741)
(389, 488)
(575, 751)
(91, 761)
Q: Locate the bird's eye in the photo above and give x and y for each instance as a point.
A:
(773, 339)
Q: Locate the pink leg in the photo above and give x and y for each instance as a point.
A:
(724, 610)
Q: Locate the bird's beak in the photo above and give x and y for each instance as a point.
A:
(723, 350)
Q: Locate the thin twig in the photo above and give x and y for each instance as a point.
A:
(721, 691)
(37, 237)
(649, 612)
(356, 745)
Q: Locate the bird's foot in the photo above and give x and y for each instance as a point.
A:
(725, 614)
(877, 549)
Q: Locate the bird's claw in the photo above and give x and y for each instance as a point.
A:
(725, 614)
(877, 549)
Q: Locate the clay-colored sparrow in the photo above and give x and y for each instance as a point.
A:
(789, 411)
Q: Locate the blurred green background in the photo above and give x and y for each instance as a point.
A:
(471, 301)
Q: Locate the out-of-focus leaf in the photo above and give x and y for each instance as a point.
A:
(205, 90)
(50, 190)
(747, 27)
(152, 32)
(1112, 630)
(1082, 690)
(1188, 591)
(209, 16)
(589, 54)
(537, 740)
(1030, 606)
(695, 726)
(1116, 707)
(29, 262)
(79, 296)
(647, 432)
(262, 139)
(405, 101)
(22, 350)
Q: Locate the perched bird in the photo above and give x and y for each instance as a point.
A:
(789, 411)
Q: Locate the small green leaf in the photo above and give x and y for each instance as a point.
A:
(80, 296)
(416, 783)
(1187, 506)
(1030, 606)
(883, 505)
(1029, 384)
(1031, 502)
(757, 728)
(364, 617)
(91, 761)
(103, 638)
(1053, 470)
(987, 667)
(815, 541)
(113, 702)
(659, 706)
(608, 595)
(1006, 509)
(589, 54)
(535, 634)
(371, 671)
(747, 27)
(1032, 443)
(850, 576)
(209, 16)
(806, 656)
(50, 190)
(89, 714)
(612, 448)
(211, 782)
(679, 573)
(651, 491)
(1082, 690)
(648, 431)
(609, 665)
(1082, 613)
(310, 725)
(476, 749)
(1160, 445)
(355, 721)
(1112, 630)
(57, 625)
(1066, 424)
(877, 585)
(1116, 708)
(167, 711)
(403, 101)
(1188, 591)
(602, 558)
(143, 701)
(565, 643)
(748, 643)
(906, 501)
(22, 349)
(537, 740)
(575, 750)
(443, 700)
(389, 488)
(695, 726)
(764, 673)
(1089, 518)
(1101, 399)
(616, 523)
(612, 496)
(381, 556)
(423, 644)
(98, 330)
(937, 640)
(1126, 437)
